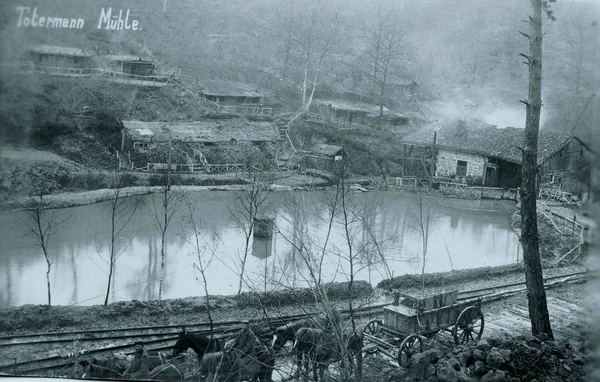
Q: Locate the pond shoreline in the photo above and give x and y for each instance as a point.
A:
(39, 318)
(82, 198)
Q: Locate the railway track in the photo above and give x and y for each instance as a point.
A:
(519, 286)
(157, 338)
(102, 341)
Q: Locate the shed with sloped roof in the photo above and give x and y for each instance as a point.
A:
(480, 153)
(143, 135)
(324, 157)
(53, 57)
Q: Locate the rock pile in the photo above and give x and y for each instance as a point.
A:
(517, 359)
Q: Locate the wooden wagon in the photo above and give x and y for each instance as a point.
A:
(409, 320)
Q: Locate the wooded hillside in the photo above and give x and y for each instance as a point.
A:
(465, 52)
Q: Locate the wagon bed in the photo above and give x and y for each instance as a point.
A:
(408, 321)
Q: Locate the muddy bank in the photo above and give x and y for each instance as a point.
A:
(80, 198)
(177, 311)
(41, 318)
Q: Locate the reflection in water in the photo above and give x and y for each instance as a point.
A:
(74, 270)
(262, 247)
(384, 238)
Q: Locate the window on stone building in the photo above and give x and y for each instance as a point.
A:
(461, 168)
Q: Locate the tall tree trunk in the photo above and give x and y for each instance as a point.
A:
(246, 250)
(162, 265)
(536, 294)
(166, 218)
(112, 249)
(110, 272)
(48, 280)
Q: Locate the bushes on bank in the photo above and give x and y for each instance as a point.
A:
(43, 178)
(335, 291)
(441, 279)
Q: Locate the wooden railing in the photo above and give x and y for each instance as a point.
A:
(449, 183)
(555, 193)
(238, 167)
(71, 72)
(246, 110)
(150, 80)
(339, 124)
(202, 159)
(190, 167)
(406, 181)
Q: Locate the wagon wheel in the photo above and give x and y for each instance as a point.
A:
(410, 346)
(373, 327)
(469, 326)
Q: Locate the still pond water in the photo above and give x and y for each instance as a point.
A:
(384, 229)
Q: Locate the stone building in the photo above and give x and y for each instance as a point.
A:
(476, 153)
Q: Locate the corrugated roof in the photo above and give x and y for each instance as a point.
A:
(324, 149)
(229, 88)
(478, 137)
(239, 129)
(59, 50)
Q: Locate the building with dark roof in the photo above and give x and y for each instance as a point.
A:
(235, 97)
(132, 69)
(347, 114)
(146, 135)
(324, 157)
(130, 64)
(60, 60)
(482, 154)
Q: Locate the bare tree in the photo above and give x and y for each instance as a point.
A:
(375, 237)
(575, 47)
(201, 250)
(286, 18)
(422, 217)
(122, 211)
(536, 294)
(316, 32)
(339, 216)
(385, 48)
(42, 225)
(162, 212)
(250, 204)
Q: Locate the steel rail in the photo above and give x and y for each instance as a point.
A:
(108, 349)
(231, 326)
(82, 335)
(504, 286)
(494, 289)
(89, 335)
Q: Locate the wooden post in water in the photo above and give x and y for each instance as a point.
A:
(263, 227)
(432, 172)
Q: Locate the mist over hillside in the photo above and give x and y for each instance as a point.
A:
(463, 53)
